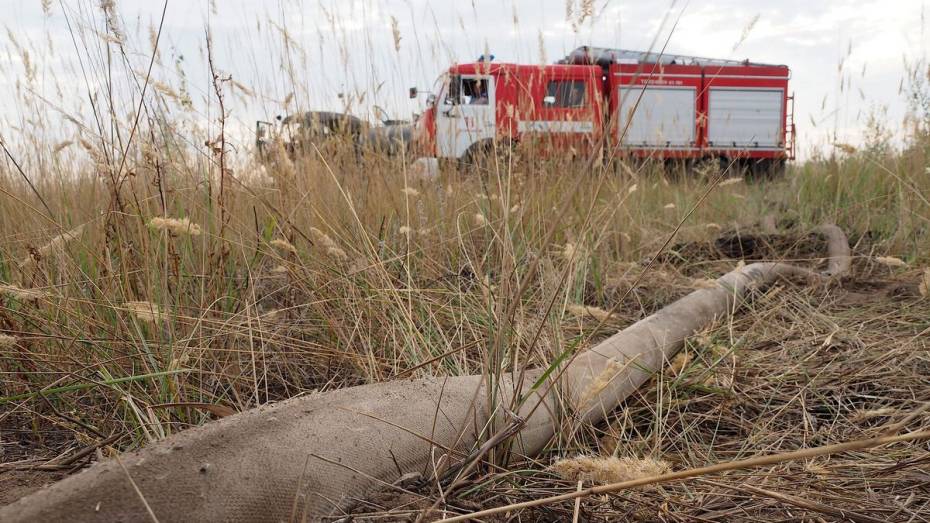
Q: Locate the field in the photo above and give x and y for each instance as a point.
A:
(148, 286)
(118, 321)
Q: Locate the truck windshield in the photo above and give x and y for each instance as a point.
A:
(467, 91)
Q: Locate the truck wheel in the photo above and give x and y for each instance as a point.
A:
(734, 167)
(676, 169)
(778, 169)
(485, 157)
(767, 169)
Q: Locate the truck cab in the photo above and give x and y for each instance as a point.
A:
(476, 105)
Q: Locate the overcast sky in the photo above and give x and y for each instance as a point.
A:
(350, 47)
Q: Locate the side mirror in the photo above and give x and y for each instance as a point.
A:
(549, 101)
(414, 92)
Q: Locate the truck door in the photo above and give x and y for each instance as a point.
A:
(567, 113)
(745, 118)
(465, 114)
(746, 110)
(657, 117)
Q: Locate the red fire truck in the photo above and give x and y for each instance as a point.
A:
(612, 101)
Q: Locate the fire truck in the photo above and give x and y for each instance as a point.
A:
(616, 102)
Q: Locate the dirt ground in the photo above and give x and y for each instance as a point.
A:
(23, 451)
(15, 484)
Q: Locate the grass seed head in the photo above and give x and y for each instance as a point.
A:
(680, 362)
(730, 181)
(144, 311)
(56, 245)
(177, 226)
(703, 283)
(337, 252)
(608, 470)
(283, 245)
(891, 261)
(329, 246)
(601, 382)
(61, 146)
(572, 252)
(22, 294)
(588, 311)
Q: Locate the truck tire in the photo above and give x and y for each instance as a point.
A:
(485, 156)
(766, 169)
(778, 169)
(734, 167)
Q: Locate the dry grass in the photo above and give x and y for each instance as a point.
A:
(152, 271)
(316, 281)
(801, 368)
